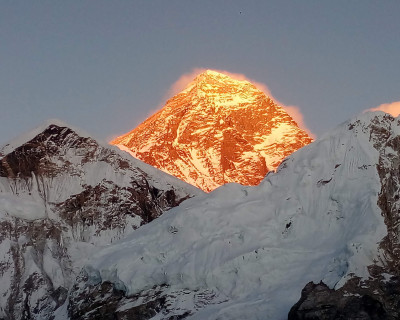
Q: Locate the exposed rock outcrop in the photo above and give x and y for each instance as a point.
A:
(318, 302)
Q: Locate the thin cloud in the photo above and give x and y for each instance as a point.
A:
(297, 116)
(392, 108)
(186, 78)
(182, 82)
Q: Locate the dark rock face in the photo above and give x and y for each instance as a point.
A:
(92, 299)
(100, 303)
(28, 247)
(103, 301)
(89, 196)
(318, 302)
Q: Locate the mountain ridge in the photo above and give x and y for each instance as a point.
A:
(217, 130)
(62, 197)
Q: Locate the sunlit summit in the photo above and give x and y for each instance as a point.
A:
(217, 130)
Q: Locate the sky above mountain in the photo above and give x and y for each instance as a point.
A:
(105, 66)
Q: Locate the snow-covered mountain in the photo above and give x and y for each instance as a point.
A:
(330, 213)
(217, 130)
(63, 196)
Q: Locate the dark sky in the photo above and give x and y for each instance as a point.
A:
(104, 66)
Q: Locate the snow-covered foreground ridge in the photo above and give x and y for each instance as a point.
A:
(246, 252)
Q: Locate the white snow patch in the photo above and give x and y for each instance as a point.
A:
(21, 207)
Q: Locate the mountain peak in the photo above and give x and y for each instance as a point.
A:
(221, 90)
(217, 130)
(216, 75)
(29, 135)
(210, 80)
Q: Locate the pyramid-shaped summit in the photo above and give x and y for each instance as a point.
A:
(217, 130)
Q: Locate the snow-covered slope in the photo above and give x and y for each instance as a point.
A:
(63, 195)
(246, 252)
(218, 130)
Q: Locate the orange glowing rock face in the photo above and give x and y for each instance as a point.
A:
(217, 130)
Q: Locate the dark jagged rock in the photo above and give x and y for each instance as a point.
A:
(92, 300)
(318, 302)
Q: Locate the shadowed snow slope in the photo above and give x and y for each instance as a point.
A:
(250, 250)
